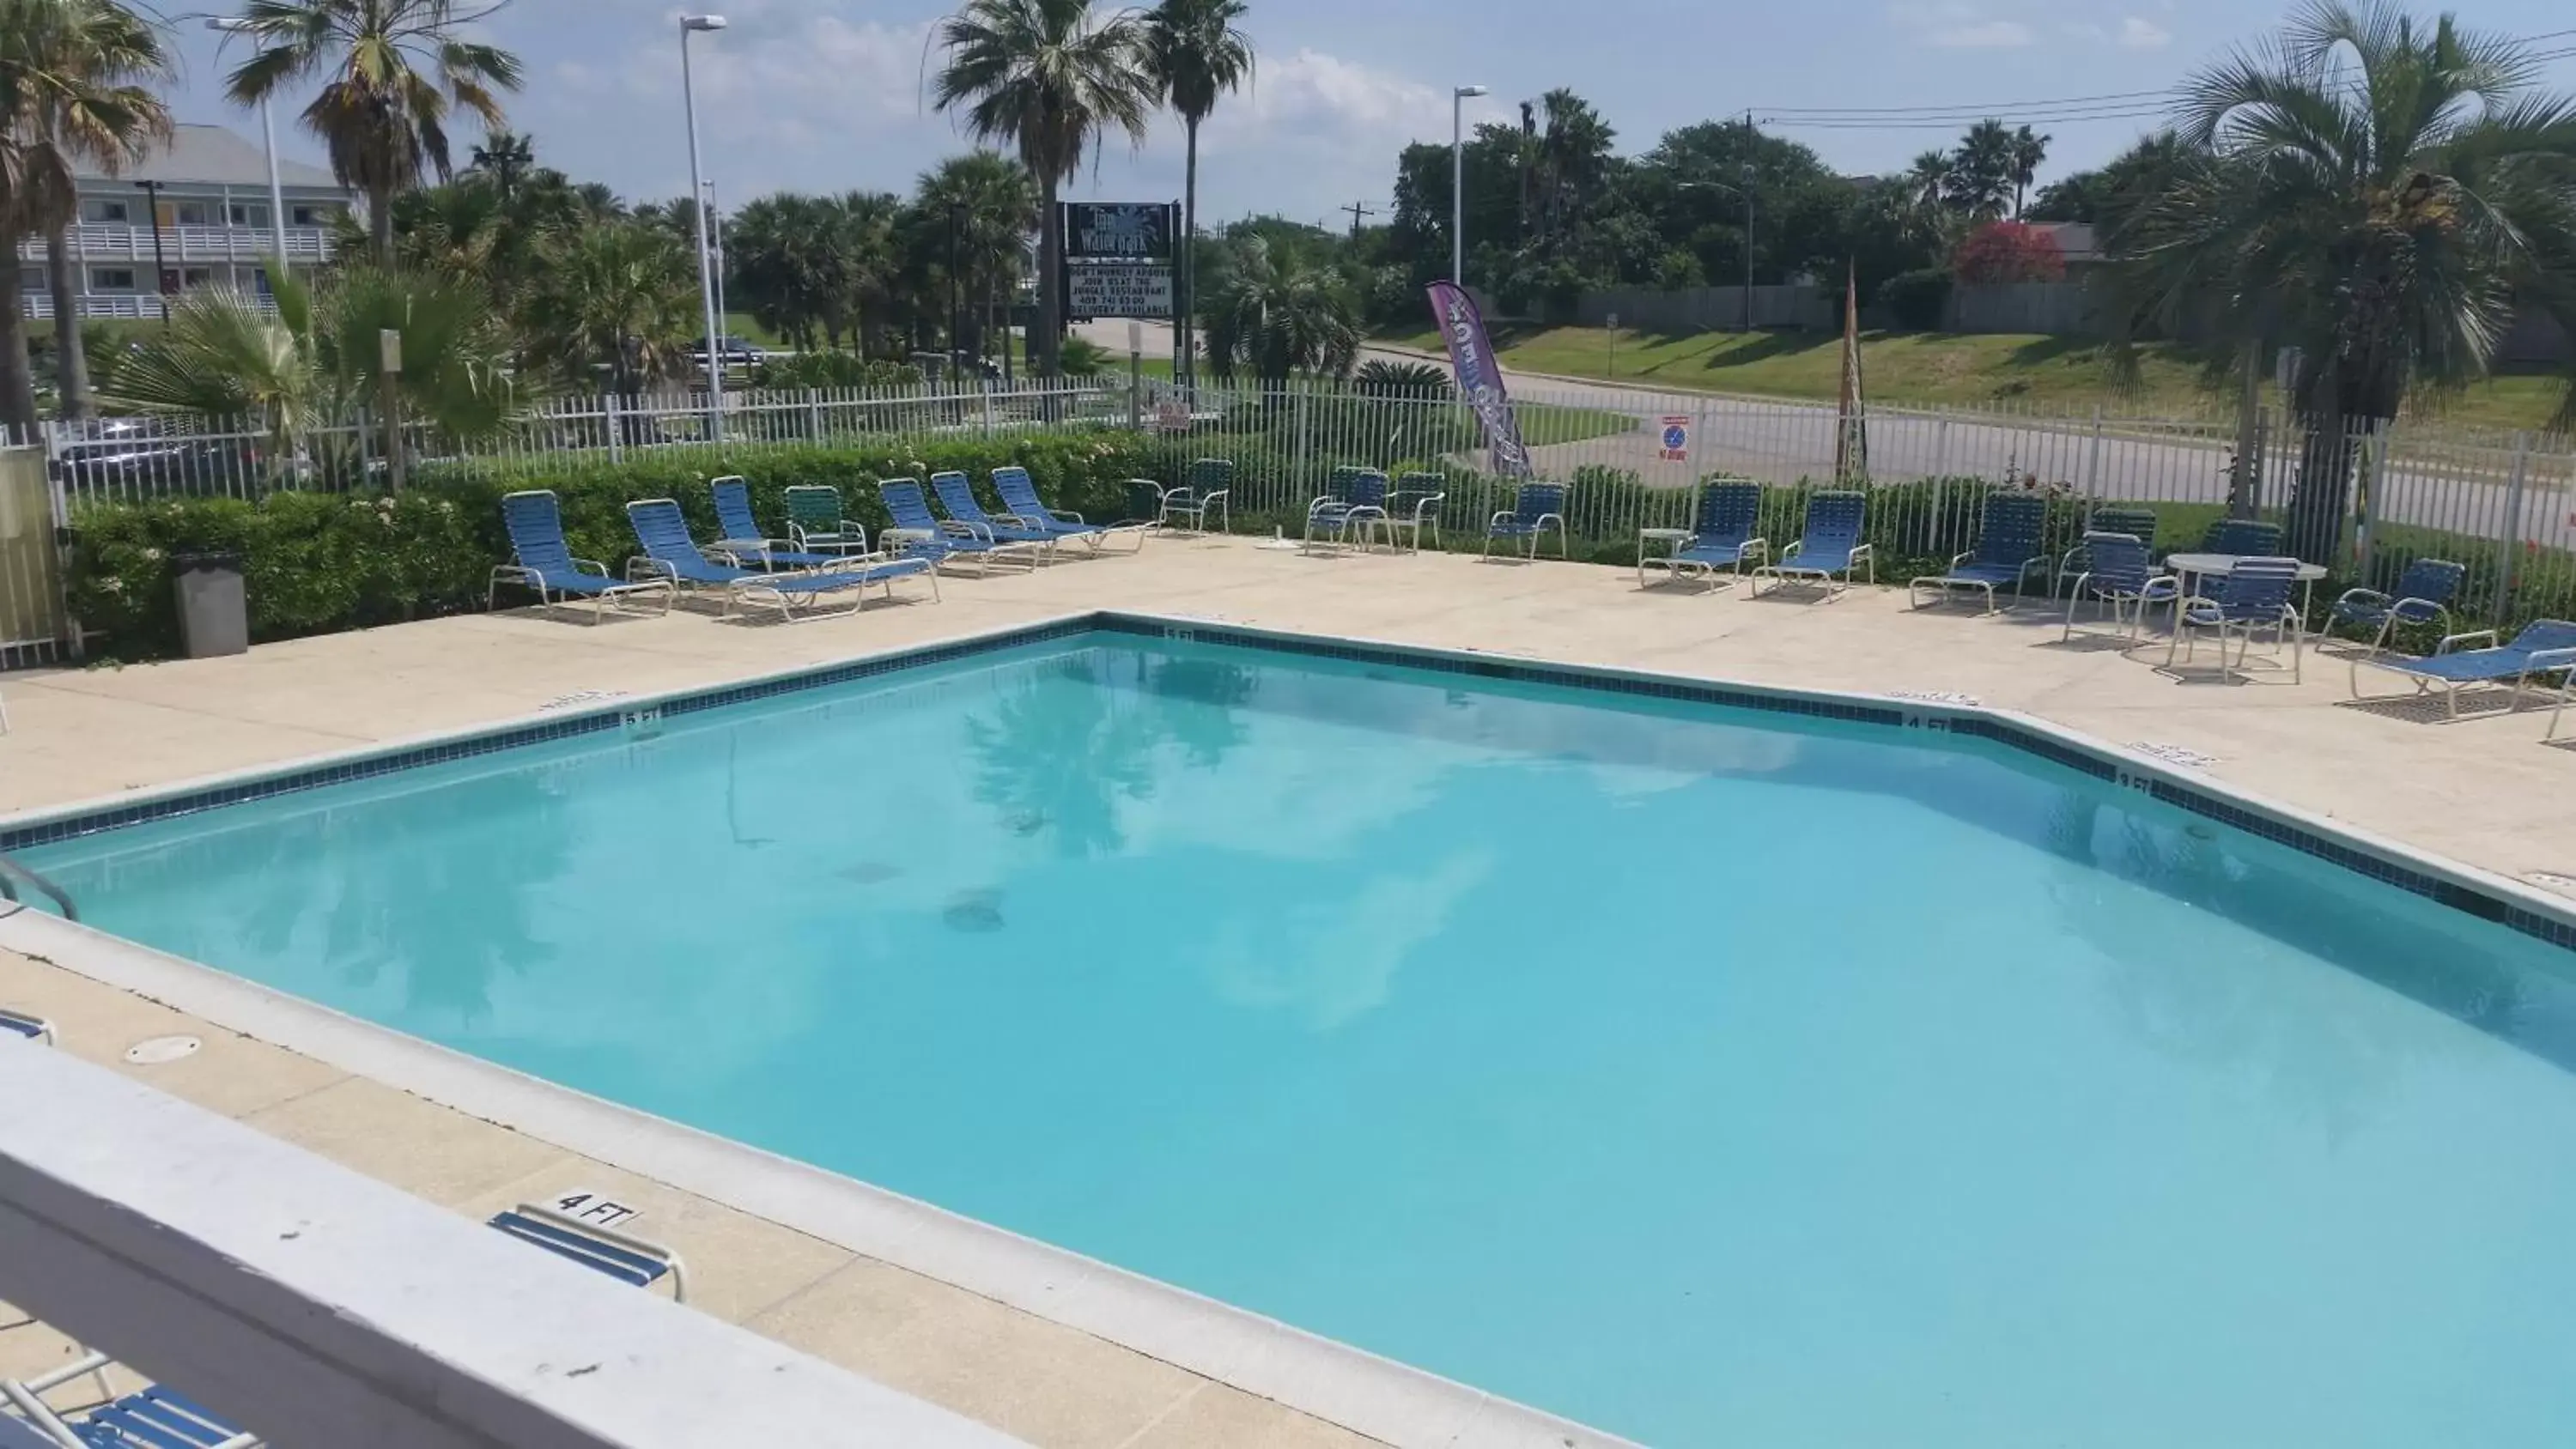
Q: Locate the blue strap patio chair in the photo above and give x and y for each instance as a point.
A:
(1020, 495)
(1537, 509)
(1830, 545)
(33, 1028)
(628, 1259)
(1722, 535)
(2423, 595)
(670, 554)
(742, 542)
(1413, 507)
(2008, 551)
(542, 561)
(157, 1417)
(2138, 523)
(1207, 488)
(2543, 646)
(815, 524)
(2255, 596)
(957, 494)
(2242, 538)
(917, 533)
(1358, 507)
(2120, 578)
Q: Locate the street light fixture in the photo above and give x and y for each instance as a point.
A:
(706, 273)
(1458, 180)
(232, 25)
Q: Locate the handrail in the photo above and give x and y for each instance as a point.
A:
(9, 867)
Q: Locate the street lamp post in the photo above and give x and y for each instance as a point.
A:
(1745, 191)
(1458, 180)
(715, 226)
(232, 25)
(160, 269)
(706, 273)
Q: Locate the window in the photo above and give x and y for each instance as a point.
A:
(243, 213)
(111, 279)
(195, 277)
(190, 213)
(98, 208)
(313, 215)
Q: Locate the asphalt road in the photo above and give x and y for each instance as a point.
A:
(1782, 441)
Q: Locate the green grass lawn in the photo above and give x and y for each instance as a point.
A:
(1931, 367)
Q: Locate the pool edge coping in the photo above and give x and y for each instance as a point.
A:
(1324, 1378)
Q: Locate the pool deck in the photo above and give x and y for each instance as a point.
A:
(2484, 792)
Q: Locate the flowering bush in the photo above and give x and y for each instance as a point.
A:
(2008, 251)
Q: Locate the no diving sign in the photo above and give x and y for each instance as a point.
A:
(1674, 441)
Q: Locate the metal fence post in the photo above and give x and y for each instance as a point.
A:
(2511, 544)
(988, 407)
(616, 427)
(2093, 467)
(814, 413)
(1299, 467)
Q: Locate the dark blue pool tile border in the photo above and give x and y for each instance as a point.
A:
(2215, 807)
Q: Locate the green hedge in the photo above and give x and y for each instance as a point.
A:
(315, 563)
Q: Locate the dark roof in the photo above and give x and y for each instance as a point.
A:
(213, 155)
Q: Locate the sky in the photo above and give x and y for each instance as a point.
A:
(829, 95)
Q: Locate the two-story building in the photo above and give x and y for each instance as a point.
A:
(210, 188)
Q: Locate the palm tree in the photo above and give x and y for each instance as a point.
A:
(308, 367)
(1573, 158)
(111, 120)
(1049, 77)
(2028, 150)
(505, 158)
(994, 204)
(2375, 192)
(396, 66)
(623, 294)
(66, 68)
(1981, 171)
(1278, 315)
(1193, 54)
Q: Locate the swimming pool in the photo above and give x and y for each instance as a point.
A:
(1708, 1075)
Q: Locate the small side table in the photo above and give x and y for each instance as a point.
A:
(1673, 538)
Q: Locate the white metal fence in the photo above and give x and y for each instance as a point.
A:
(2505, 503)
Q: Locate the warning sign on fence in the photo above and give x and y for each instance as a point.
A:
(1675, 440)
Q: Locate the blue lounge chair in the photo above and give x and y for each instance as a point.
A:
(627, 1259)
(2008, 551)
(2422, 596)
(2242, 537)
(1829, 546)
(2120, 577)
(815, 524)
(33, 1028)
(542, 561)
(1537, 508)
(1208, 488)
(1414, 507)
(1358, 506)
(742, 542)
(2255, 596)
(1020, 496)
(957, 495)
(1722, 535)
(2543, 646)
(920, 534)
(153, 1418)
(670, 554)
(2137, 523)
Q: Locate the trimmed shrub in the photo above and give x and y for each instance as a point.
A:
(1918, 300)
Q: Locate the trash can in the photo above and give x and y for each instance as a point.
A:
(214, 614)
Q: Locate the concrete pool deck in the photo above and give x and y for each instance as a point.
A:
(2480, 792)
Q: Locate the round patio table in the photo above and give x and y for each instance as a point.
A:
(2186, 567)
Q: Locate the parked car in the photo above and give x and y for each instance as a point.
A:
(125, 457)
(736, 352)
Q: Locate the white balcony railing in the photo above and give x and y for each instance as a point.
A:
(94, 241)
(129, 305)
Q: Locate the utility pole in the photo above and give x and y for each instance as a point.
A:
(1359, 211)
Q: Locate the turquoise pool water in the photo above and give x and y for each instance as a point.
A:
(1714, 1078)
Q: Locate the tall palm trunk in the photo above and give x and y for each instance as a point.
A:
(1046, 339)
(380, 221)
(1188, 257)
(71, 355)
(17, 376)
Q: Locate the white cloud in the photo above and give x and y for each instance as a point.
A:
(1956, 26)
(2140, 34)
